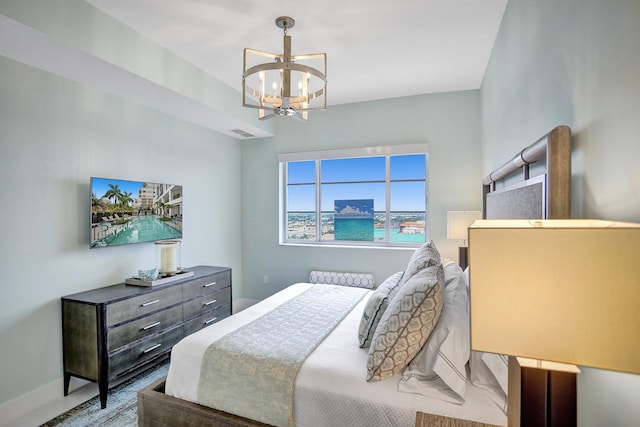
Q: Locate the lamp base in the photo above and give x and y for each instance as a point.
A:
(463, 257)
(540, 397)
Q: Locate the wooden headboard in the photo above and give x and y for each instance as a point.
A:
(544, 196)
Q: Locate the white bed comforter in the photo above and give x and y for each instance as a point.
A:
(330, 389)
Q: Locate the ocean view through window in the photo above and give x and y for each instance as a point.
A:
(326, 194)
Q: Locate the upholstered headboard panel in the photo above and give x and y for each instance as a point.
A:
(525, 200)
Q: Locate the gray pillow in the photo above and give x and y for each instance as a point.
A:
(406, 324)
(376, 306)
(423, 257)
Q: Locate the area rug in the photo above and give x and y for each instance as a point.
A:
(122, 404)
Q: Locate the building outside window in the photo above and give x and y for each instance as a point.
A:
(373, 196)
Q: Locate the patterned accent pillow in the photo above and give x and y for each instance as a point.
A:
(423, 257)
(406, 324)
(375, 308)
(356, 280)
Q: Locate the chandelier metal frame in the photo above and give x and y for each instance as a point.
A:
(280, 100)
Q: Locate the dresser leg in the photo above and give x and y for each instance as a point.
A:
(103, 387)
(67, 380)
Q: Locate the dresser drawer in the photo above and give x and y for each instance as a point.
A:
(205, 303)
(132, 308)
(207, 319)
(145, 326)
(136, 355)
(206, 285)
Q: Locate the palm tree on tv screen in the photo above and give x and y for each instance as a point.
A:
(97, 205)
(114, 193)
(161, 207)
(125, 200)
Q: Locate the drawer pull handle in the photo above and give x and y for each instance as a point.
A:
(209, 284)
(146, 304)
(210, 302)
(153, 325)
(151, 348)
(210, 320)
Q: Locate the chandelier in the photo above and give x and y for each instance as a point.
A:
(289, 85)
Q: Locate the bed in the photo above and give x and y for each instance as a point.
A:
(330, 386)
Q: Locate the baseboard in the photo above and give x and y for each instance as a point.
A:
(42, 404)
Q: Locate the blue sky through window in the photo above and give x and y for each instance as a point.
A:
(358, 169)
(301, 172)
(332, 192)
(301, 198)
(405, 196)
(408, 167)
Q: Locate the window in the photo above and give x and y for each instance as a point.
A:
(370, 196)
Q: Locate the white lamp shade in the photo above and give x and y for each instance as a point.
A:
(560, 290)
(459, 221)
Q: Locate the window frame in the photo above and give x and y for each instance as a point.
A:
(319, 156)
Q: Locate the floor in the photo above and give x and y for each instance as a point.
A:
(55, 407)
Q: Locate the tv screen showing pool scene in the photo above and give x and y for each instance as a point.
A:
(124, 212)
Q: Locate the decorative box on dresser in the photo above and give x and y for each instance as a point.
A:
(110, 332)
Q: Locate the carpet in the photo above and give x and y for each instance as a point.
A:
(122, 404)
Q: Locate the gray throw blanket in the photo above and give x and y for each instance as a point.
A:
(251, 371)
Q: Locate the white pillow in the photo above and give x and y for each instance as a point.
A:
(439, 369)
(489, 372)
(466, 275)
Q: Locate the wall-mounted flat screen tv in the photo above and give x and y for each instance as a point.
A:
(124, 212)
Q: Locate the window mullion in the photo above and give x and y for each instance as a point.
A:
(426, 197)
(387, 214)
(318, 202)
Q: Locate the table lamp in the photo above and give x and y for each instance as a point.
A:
(457, 224)
(562, 291)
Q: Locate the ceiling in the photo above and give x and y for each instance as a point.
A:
(375, 49)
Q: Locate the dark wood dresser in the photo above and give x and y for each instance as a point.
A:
(110, 332)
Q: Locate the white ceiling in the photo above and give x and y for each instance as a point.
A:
(375, 49)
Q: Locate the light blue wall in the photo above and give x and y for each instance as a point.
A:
(575, 62)
(448, 122)
(55, 134)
